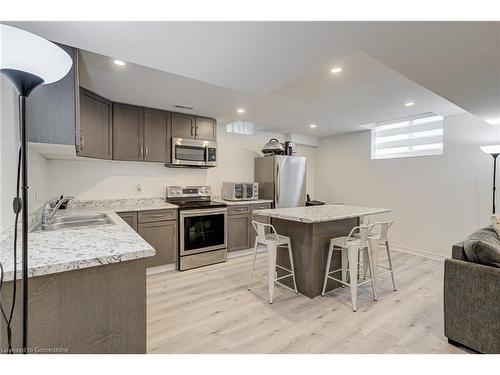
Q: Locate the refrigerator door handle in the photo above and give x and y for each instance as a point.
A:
(277, 183)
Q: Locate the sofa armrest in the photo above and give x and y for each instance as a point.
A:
(458, 251)
(472, 305)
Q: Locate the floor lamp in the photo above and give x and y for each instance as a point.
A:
(494, 151)
(28, 61)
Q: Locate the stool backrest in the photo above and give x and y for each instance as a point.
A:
(362, 232)
(260, 228)
(384, 229)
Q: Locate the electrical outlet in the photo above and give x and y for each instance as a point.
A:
(37, 196)
(139, 188)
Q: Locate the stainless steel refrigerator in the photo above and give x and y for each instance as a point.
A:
(282, 179)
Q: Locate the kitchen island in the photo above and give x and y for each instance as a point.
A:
(310, 230)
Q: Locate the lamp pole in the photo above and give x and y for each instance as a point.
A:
(494, 178)
(47, 64)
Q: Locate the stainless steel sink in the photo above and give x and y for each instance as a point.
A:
(79, 220)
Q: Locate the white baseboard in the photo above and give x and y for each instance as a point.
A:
(160, 269)
(418, 252)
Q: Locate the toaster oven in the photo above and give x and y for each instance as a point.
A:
(240, 191)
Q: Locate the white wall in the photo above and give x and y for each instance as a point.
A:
(9, 145)
(91, 179)
(436, 200)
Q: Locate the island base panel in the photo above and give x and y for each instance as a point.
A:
(92, 310)
(310, 242)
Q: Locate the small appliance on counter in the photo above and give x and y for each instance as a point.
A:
(240, 191)
(202, 226)
(309, 202)
(273, 147)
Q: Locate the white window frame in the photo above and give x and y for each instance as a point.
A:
(399, 144)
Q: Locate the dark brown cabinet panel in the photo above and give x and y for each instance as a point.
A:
(205, 128)
(128, 141)
(162, 235)
(155, 135)
(130, 218)
(96, 126)
(183, 126)
(240, 231)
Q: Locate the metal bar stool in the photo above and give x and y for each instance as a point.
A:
(351, 246)
(375, 240)
(272, 241)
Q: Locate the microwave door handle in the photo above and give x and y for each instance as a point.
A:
(206, 154)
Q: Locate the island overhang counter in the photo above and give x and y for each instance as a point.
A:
(310, 230)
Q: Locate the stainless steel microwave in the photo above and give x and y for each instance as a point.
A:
(240, 191)
(193, 153)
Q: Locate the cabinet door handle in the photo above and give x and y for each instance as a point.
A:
(192, 129)
(82, 142)
(158, 215)
(196, 131)
(147, 151)
(141, 150)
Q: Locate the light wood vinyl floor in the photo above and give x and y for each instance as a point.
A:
(209, 310)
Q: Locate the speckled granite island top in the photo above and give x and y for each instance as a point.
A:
(319, 214)
(70, 249)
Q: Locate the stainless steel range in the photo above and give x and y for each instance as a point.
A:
(202, 226)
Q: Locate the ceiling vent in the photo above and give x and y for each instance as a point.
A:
(183, 107)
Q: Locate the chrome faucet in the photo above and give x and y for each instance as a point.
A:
(51, 207)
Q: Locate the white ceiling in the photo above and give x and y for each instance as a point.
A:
(279, 71)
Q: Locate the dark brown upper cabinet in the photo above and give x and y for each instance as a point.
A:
(194, 127)
(156, 135)
(140, 134)
(183, 126)
(128, 132)
(96, 126)
(205, 128)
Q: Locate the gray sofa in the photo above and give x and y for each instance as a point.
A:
(471, 303)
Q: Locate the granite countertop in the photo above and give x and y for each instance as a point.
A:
(318, 214)
(70, 249)
(238, 203)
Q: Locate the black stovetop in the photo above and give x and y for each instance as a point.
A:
(190, 204)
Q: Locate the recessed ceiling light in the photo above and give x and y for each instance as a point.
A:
(119, 62)
(336, 70)
(240, 110)
(312, 126)
(409, 104)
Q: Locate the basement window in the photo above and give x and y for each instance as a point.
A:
(420, 135)
(241, 127)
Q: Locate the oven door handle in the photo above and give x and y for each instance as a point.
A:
(203, 212)
(206, 153)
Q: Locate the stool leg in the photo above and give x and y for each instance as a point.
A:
(329, 260)
(353, 254)
(365, 265)
(253, 263)
(291, 264)
(371, 266)
(345, 262)
(390, 264)
(271, 269)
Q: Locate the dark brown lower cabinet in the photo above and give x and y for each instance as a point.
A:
(238, 236)
(159, 229)
(130, 218)
(240, 232)
(162, 235)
